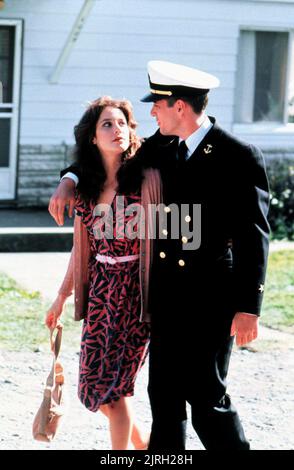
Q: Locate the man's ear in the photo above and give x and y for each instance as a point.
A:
(180, 106)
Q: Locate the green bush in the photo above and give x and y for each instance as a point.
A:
(281, 180)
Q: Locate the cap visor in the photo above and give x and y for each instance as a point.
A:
(149, 98)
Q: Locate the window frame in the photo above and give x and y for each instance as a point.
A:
(14, 110)
(264, 127)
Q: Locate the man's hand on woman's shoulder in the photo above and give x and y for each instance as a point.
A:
(63, 196)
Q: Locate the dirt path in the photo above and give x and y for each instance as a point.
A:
(261, 384)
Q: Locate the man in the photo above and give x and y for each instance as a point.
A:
(201, 298)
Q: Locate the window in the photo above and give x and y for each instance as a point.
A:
(264, 87)
(6, 76)
(4, 142)
(6, 61)
(10, 70)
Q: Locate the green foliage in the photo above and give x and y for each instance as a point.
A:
(22, 315)
(281, 216)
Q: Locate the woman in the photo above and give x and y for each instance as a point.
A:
(110, 274)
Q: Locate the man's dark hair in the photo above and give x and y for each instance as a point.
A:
(197, 103)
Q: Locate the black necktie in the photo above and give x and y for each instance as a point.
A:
(182, 152)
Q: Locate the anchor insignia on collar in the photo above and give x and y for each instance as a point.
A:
(208, 148)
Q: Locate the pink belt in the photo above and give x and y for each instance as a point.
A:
(115, 259)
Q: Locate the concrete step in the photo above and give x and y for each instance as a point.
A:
(29, 230)
(32, 240)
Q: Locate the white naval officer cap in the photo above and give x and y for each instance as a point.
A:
(167, 80)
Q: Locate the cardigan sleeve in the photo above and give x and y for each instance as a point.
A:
(69, 281)
(151, 195)
(81, 258)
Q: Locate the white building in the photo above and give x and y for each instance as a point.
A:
(57, 55)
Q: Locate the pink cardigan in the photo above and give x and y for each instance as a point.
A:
(77, 276)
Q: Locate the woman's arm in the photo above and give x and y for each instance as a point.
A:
(66, 289)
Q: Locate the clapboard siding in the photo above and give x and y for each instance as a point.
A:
(92, 42)
(108, 75)
(224, 61)
(140, 26)
(270, 141)
(44, 6)
(72, 93)
(110, 57)
(116, 42)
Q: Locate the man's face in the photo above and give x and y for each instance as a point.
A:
(167, 118)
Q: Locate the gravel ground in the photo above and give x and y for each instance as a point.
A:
(261, 383)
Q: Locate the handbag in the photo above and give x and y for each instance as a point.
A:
(48, 417)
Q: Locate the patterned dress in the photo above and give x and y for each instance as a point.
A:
(114, 341)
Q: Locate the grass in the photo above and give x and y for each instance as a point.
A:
(22, 313)
(22, 316)
(278, 304)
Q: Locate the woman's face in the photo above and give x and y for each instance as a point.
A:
(112, 132)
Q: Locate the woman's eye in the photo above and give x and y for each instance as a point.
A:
(123, 123)
(106, 124)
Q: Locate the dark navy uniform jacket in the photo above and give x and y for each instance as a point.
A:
(227, 177)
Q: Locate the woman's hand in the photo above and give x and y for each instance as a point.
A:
(55, 311)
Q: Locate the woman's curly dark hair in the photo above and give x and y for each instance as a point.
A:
(88, 158)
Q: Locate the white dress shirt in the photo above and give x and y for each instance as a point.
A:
(196, 138)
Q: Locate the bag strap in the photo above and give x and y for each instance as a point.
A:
(55, 348)
(56, 343)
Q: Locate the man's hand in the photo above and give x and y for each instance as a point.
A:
(63, 196)
(245, 327)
